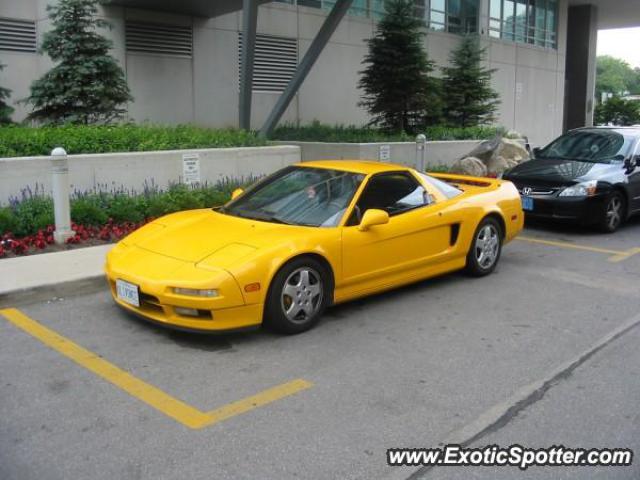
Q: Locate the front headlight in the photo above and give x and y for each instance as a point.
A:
(584, 189)
(192, 292)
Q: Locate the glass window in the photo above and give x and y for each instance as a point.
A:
(524, 21)
(298, 196)
(495, 9)
(394, 193)
(445, 188)
(455, 16)
(599, 146)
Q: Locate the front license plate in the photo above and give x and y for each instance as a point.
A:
(128, 292)
(527, 204)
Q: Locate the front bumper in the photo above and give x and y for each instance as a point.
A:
(245, 317)
(581, 210)
(156, 275)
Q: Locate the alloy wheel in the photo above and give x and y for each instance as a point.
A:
(487, 246)
(614, 212)
(301, 296)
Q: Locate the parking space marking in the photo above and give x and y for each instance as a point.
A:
(143, 391)
(614, 255)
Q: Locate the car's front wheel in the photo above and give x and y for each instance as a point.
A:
(614, 213)
(485, 248)
(298, 295)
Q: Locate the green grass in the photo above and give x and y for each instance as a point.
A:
(21, 141)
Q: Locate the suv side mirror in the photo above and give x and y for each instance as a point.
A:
(536, 151)
(236, 193)
(372, 217)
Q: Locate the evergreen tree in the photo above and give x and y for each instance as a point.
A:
(5, 109)
(398, 92)
(87, 85)
(469, 99)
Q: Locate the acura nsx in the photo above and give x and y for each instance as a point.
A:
(309, 236)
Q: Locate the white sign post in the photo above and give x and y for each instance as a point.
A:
(191, 168)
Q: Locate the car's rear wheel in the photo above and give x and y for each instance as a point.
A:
(298, 295)
(485, 248)
(614, 213)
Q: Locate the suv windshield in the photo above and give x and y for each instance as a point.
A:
(298, 196)
(598, 146)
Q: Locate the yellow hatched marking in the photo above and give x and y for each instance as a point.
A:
(143, 391)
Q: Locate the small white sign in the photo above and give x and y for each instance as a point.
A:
(384, 153)
(519, 90)
(191, 168)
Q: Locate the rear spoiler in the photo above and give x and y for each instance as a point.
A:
(465, 179)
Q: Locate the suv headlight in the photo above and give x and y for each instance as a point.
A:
(584, 189)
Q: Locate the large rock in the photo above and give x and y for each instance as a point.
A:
(496, 156)
(485, 150)
(470, 166)
(511, 150)
(499, 164)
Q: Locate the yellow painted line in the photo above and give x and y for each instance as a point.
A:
(255, 401)
(143, 391)
(624, 255)
(569, 245)
(616, 255)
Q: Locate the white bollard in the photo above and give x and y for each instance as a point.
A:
(60, 185)
(421, 146)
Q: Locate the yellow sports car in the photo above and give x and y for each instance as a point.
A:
(309, 236)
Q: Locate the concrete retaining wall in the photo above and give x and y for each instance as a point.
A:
(437, 153)
(132, 170)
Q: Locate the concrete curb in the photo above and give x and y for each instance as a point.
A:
(24, 276)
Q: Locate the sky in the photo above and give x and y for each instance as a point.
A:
(622, 43)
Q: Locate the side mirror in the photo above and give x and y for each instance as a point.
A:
(373, 217)
(236, 193)
(637, 160)
(536, 151)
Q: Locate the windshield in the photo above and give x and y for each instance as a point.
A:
(598, 146)
(298, 196)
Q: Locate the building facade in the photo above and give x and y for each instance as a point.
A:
(182, 59)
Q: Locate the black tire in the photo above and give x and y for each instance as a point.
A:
(294, 305)
(614, 212)
(482, 258)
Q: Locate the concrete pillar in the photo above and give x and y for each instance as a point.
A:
(60, 186)
(580, 75)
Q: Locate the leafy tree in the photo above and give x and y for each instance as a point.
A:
(5, 109)
(398, 92)
(469, 98)
(614, 76)
(87, 85)
(618, 111)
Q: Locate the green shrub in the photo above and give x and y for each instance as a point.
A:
(32, 214)
(88, 210)
(8, 221)
(122, 208)
(21, 141)
(318, 132)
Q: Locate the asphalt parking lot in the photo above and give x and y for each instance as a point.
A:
(549, 338)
